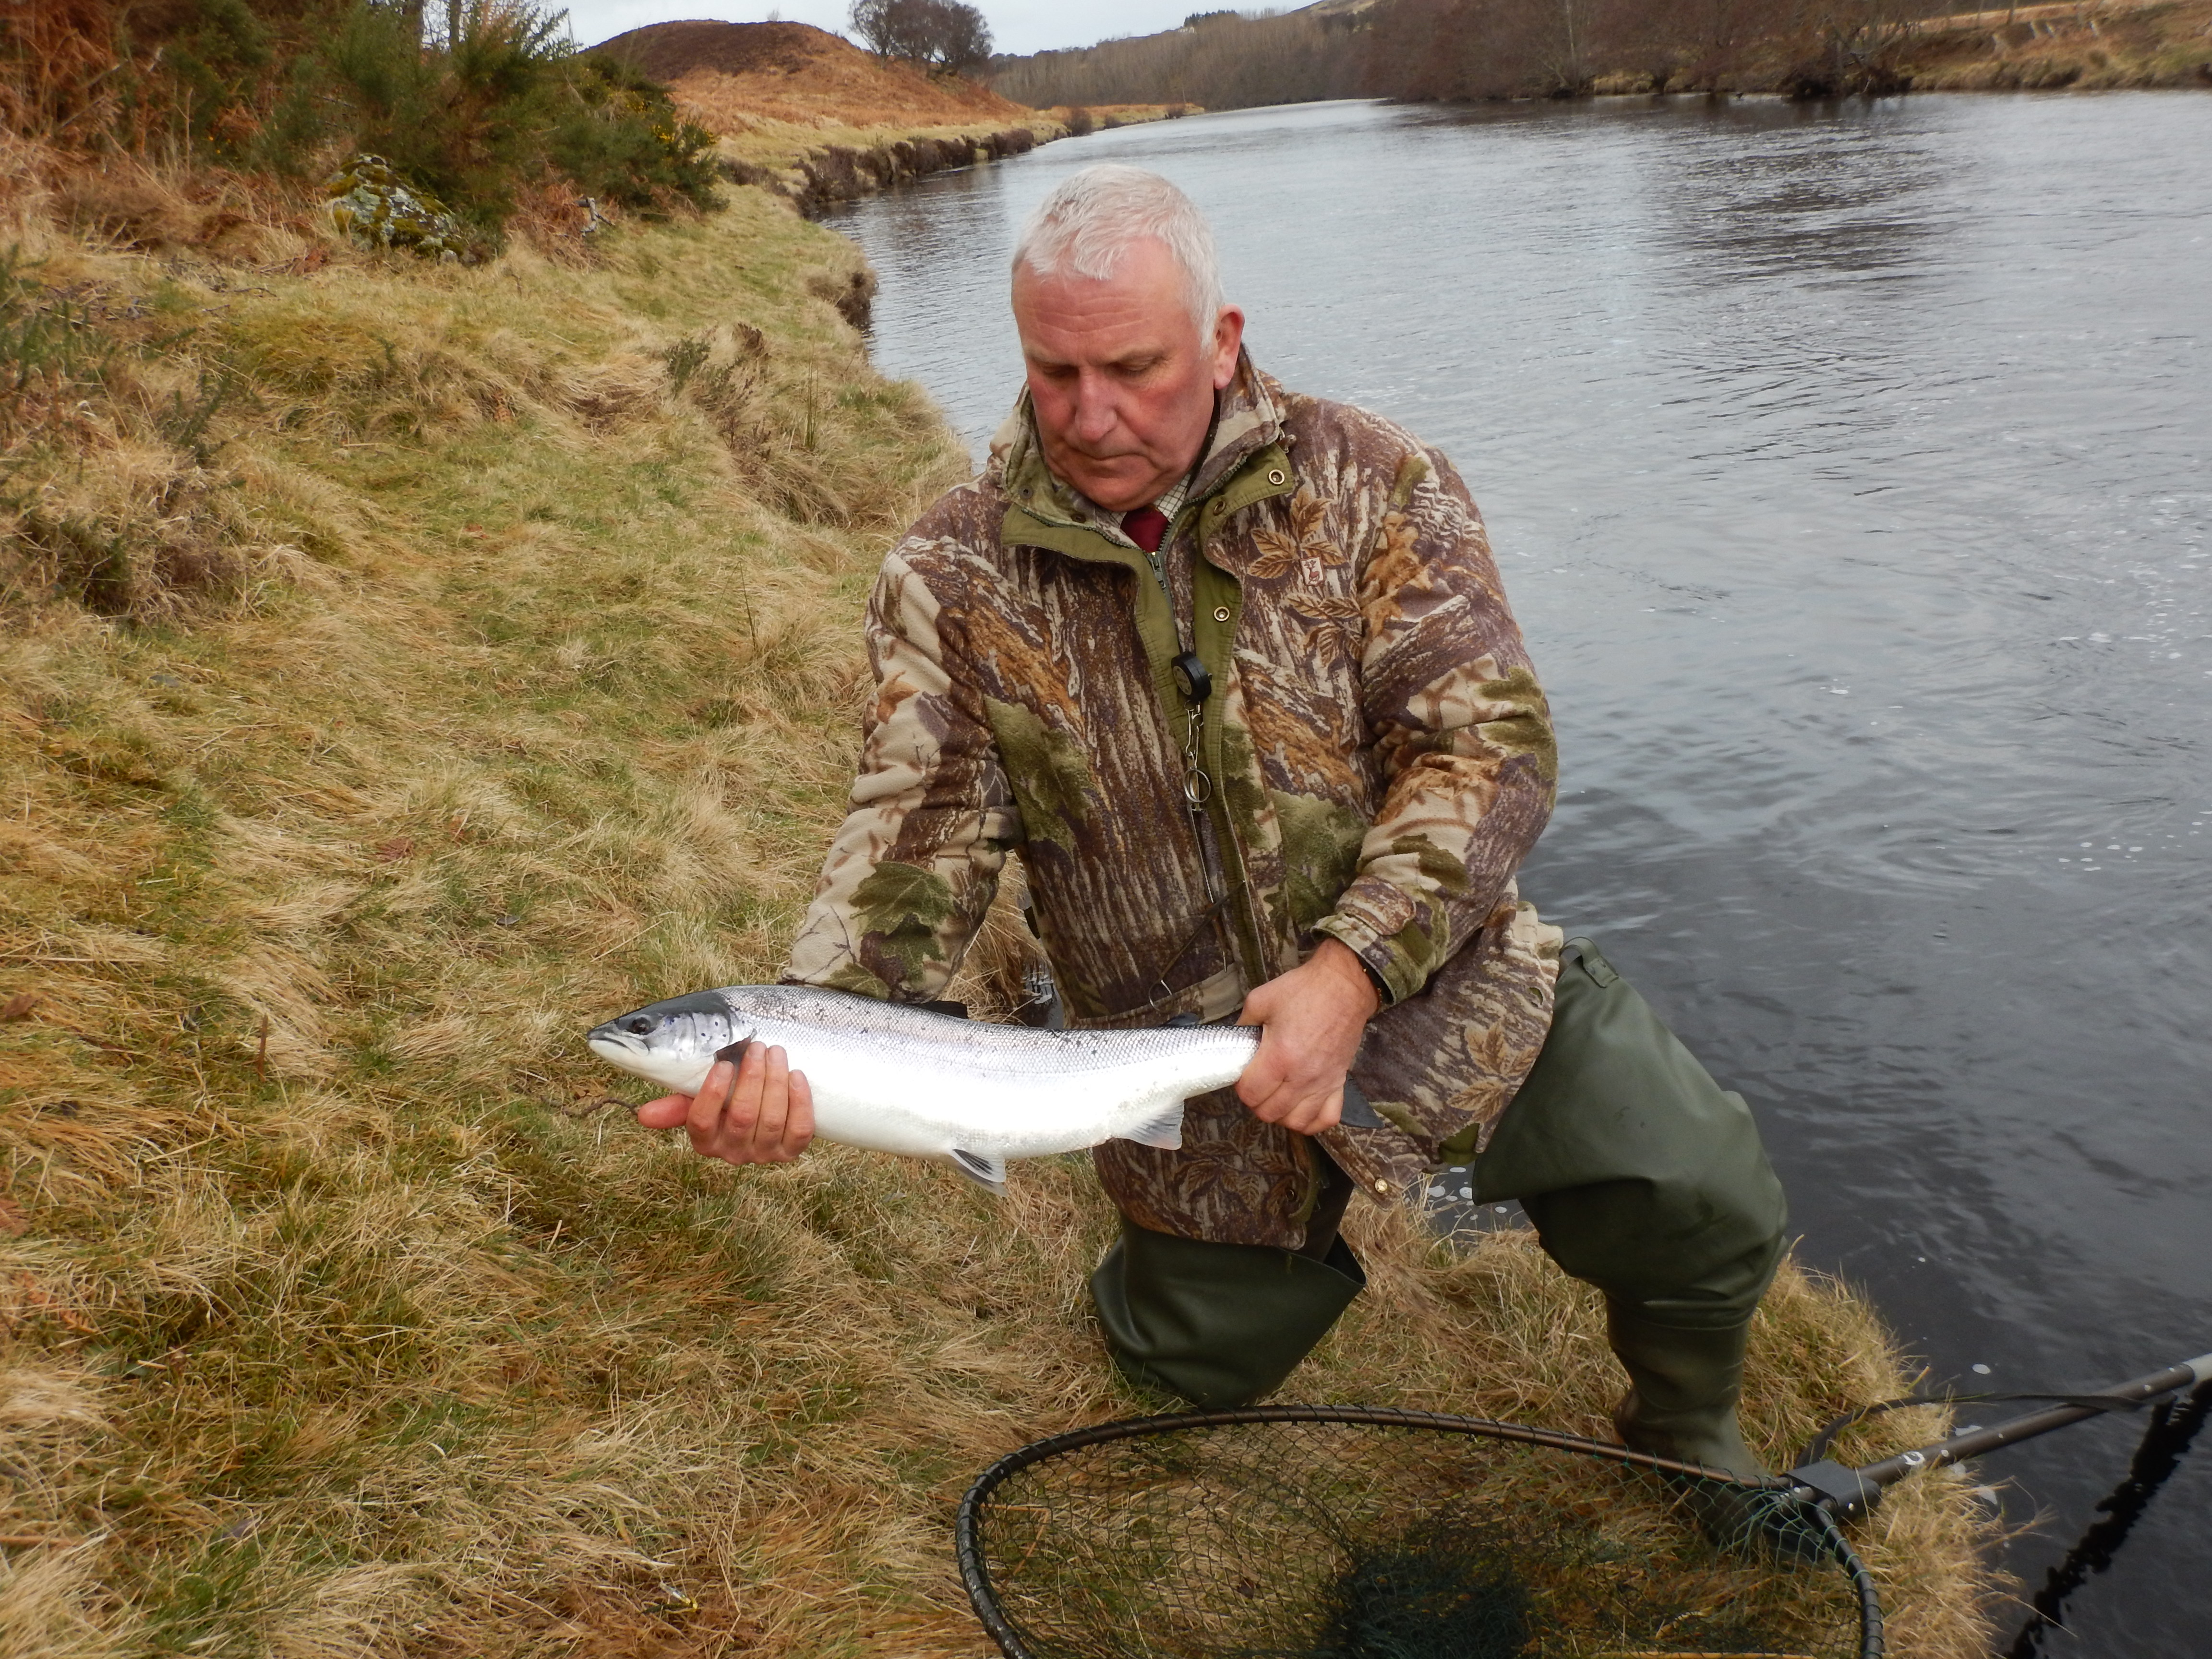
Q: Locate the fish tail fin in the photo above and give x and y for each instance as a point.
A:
(1163, 1129)
(981, 1168)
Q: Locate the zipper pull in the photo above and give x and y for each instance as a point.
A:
(1196, 686)
(1197, 787)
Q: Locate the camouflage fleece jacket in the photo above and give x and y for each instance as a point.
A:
(1373, 760)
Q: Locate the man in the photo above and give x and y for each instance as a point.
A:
(1231, 669)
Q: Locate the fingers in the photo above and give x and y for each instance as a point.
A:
(783, 1121)
(774, 1105)
(664, 1113)
(1311, 1018)
(799, 1127)
(1317, 1113)
(1281, 1086)
(1266, 1075)
(710, 1115)
(1308, 1111)
(758, 1111)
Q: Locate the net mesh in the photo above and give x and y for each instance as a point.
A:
(1197, 1539)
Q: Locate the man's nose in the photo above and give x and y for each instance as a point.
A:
(1096, 413)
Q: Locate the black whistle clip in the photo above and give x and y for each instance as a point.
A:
(1191, 678)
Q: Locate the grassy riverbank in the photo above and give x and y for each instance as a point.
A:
(401, 668)
(812, 165)
(811, 117)
(2162, 43)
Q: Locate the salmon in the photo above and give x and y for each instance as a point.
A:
(927, 1085)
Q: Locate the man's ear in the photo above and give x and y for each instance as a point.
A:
(1228, 340)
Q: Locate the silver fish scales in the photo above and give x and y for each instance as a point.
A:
(927, 1085)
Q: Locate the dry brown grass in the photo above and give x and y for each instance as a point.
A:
(804, 76)
(1121, 115)
(344, 1312)
(815, 119)
(2165, 43)
(843, 95)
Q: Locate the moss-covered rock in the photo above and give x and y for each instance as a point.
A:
(373, 206)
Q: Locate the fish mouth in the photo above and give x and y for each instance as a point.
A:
(617, 1047)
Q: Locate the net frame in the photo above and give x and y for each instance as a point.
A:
(970, 1521)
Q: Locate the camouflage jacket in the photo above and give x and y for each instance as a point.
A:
(1373, 760)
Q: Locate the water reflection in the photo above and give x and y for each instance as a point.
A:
(2165, 1444)
(1849, 471)
(1774, 192)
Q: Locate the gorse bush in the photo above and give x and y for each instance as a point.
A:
(500, 105)
(46, 345)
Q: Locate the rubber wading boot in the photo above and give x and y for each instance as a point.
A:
(1216, 1324)
(1683, 1388)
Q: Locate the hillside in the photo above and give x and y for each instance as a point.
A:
(1418, 50)
(734, 75)
(2138, 43)
(1218, 59)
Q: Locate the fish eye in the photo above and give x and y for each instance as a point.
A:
(639, 1024)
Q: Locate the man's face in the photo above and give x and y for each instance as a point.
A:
(1120, 379)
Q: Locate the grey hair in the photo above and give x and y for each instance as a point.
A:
(1091, 217)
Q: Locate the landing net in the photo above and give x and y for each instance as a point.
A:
(1292, 1532)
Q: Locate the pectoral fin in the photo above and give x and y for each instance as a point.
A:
(1163, 1130)
(980, 1168)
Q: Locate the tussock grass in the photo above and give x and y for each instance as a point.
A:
(345, 1309)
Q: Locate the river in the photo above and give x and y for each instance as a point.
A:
(1851, 472)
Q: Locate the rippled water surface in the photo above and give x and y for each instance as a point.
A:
(1850, 471)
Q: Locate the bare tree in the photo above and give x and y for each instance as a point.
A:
(873, 21)
(963, 41)
(1217, 60)
(941, 34)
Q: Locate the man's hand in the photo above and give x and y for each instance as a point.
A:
(759, 1111)
(1314, 1015)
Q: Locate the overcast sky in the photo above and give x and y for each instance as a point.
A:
(1016, 25)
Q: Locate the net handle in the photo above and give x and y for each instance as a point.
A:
(1851, 1492)
(1975, 1442)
